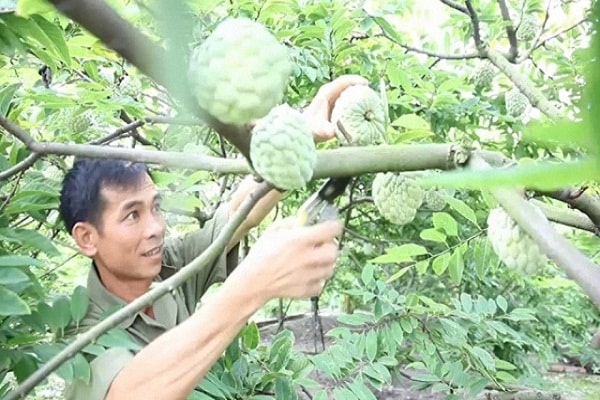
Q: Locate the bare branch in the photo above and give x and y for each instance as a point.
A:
(566, 217)
(455, 6)
(20, 166)
(475, 23)
(576, 265)
(12, 192)
(557, 34)
(119, 35)
(416, 49)
(510, 31)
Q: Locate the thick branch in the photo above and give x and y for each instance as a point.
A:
(475, 23)
(215, 248)
(575, 264)
(118, 34)
(535, 96)
(566, 217)
(510, 31)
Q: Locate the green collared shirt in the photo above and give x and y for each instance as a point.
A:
(169, 310)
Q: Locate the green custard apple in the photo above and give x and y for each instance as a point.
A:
(513, 246)
(282, 148)
(397, 196)
(359, 116)
(240, 72)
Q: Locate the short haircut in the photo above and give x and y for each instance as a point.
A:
(80, 198)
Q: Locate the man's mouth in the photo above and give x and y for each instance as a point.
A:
(152, 252)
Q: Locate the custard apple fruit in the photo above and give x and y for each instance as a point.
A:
(77, 122)
(397, 196)
(130, 86)
(282, 148)
(516, 103)
(240, 72)
(359, 116)
(528, 28)
(513, 246)
(434, 198)
(484, 75)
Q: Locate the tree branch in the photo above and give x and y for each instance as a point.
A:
(455, 6)
(566, 217)
(576, 265)
(535, 96)
(510, 31)
(419, 50)
(555, 35)
(203, 260)
(119, 35)
(475, 22)
(20, 166)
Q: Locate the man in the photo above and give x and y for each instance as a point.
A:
(112, 210)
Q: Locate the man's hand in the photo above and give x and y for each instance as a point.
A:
(291, 261)
(318, 112)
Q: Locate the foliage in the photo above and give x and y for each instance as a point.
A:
(430, 298)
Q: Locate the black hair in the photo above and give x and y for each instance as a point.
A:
(80, 198)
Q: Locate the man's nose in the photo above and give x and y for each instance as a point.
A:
(156, 225)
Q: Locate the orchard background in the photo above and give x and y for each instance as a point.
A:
(427, 305)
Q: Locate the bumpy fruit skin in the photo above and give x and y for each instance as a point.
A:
(433, 199)
(528, 28)
(484, 75)
(397, 197)
(513, 246)
(77, 123)
(516, 103)
(240, 72)
(362, 115)
(282, 148)
(130, 86)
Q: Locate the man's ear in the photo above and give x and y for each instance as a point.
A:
(85, 235)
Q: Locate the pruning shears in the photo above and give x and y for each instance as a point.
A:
(320, 206)
(317, 208)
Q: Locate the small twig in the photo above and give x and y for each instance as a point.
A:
(20, 166)
(510, 31)
(12, 191)
(539, 34)
(455, 6)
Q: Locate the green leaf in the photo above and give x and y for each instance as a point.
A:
(61, 307)
(284, 389)
(412, 122)
(367, 274)
(400, 273)
(19, 261)
(440, 263)
(6, 96)
(251, 335)
(10, 276)
(11, 304)
(79, 303)
(81, 368)
(402, 253)
(442, 220)
(55, 34)
(501, 302)
(462, 208)
(501, 364)
(26, 8)
(371, 345)
(32, 239)
(456, 266)
(433, 235)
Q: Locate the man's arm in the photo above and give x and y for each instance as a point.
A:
(287, 261)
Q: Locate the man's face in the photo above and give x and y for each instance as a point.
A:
(129, 243)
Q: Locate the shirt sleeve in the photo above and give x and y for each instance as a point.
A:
(180, 251)
(104, 369)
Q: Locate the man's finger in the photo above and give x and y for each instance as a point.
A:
(333, 89)
(322, 232)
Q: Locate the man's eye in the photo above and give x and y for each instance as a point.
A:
(132, 216)
(157, 207)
